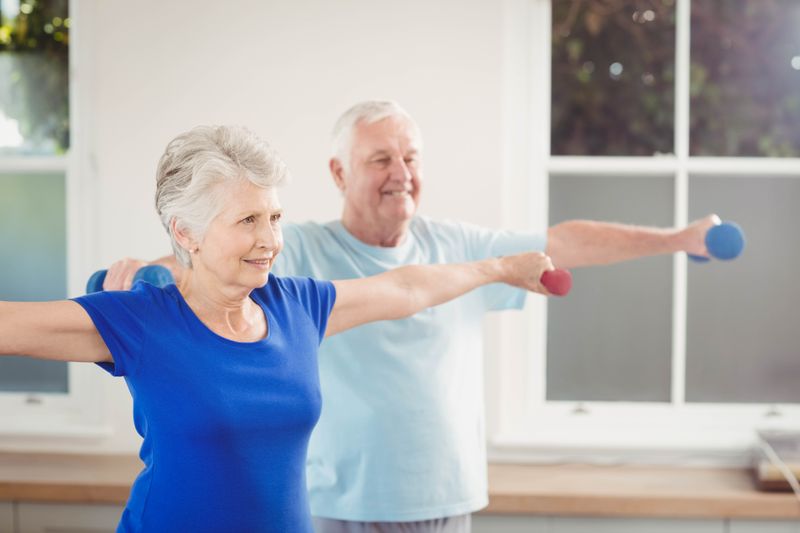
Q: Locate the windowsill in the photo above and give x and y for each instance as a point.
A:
(612, 491)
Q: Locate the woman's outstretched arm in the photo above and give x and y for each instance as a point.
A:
(401, 292)
(59, 331)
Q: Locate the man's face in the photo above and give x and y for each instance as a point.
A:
(383, 182)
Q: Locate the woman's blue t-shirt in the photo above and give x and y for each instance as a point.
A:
(225, 424)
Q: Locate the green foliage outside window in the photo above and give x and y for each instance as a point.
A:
(613, 77)
(34, 49)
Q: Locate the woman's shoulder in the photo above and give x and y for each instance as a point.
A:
(302, 289)
(143, 299)
(289, 284)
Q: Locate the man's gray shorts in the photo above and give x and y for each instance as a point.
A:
(451, 524)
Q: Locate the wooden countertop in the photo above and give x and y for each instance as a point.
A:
(621, 491)
(643, 491)
(67, 478)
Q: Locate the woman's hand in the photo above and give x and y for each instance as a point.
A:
(525, 270)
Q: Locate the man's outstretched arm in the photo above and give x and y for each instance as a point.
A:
(120, 273)
(577, 243)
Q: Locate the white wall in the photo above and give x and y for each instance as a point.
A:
(151, 69)
(287, 70)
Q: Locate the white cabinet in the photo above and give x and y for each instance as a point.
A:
(559, 524)
(6, 516)
(487, 523)
(764, 526)
(633, 525)
(67, 518)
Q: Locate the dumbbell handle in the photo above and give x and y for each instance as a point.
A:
(153, 274)
(558, 281)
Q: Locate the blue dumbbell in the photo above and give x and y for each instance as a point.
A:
(153, 274)
(724, 241)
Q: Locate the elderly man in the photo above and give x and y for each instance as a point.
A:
(400, 444)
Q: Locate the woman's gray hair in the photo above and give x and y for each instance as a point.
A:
(369, 112)
(193, 166)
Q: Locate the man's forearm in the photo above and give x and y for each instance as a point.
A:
(577, 243)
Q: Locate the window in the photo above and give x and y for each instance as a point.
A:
(38, 204)
(34, 123)
(661, 111)
(33, 216)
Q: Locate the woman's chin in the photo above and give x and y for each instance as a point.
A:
(252, 280)
(259, 280)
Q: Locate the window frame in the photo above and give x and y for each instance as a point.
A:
(522, 424)
(76, 415)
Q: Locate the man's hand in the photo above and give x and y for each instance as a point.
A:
(693, 236)
(120, 274)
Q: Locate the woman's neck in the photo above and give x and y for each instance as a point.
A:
(227, 311)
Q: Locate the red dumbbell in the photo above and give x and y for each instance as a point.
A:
(558, 281)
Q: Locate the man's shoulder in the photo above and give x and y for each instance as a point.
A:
(443, 229)
(305, 234)
(308, 228)
(304, 245)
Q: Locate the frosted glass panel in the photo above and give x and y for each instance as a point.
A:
(743, 334)
(610, 339)
(33, 266)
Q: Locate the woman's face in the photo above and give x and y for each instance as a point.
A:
(242, 242)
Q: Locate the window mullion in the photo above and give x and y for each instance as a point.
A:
(679, 295)
(32, 165)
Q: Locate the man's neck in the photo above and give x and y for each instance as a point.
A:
(377, 235)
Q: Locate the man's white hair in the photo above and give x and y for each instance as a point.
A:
(369, 112)
(196, 163)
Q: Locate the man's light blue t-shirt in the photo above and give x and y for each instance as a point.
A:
(401, 435)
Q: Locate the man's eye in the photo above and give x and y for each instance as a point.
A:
(249, 220)
(276, 218)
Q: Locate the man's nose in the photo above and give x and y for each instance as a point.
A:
(401, 171)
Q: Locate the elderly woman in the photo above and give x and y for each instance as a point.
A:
(223, 369)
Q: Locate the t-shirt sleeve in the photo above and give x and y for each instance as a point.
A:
(316, 297)
(120, 318)
(482, 243)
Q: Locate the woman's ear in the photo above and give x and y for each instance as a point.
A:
(183, 237)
